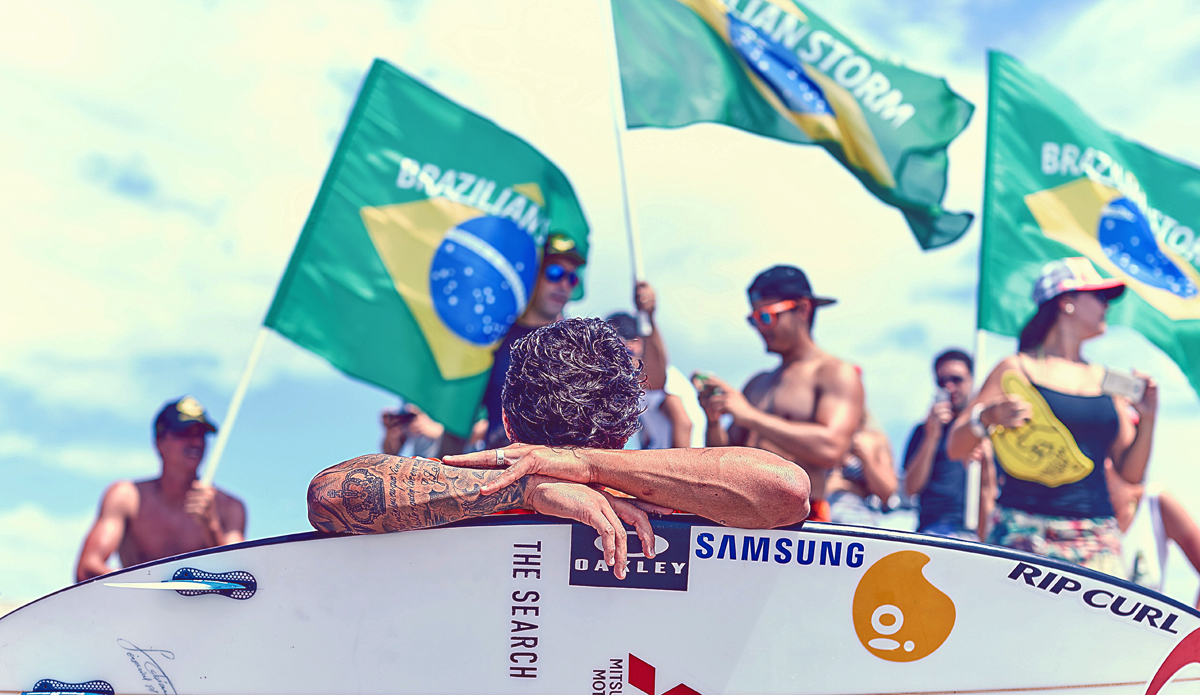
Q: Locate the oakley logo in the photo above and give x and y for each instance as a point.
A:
(660, 545)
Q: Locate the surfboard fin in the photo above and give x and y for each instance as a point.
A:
(245, 582)
(49, 685)
(189, 581)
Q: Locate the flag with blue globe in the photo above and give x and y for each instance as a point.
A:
(482, 277)
(423, 246)
(1059, 185)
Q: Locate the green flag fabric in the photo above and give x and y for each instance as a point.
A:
(422, 247)
(774, 68)
(1058, 185)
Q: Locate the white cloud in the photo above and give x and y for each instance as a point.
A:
(38, 550)
(14, 444)
(1133, 67)
(138, 124)
(104, 462)
(100, 460)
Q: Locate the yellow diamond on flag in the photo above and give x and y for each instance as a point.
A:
(465, 275)
(1074, 213)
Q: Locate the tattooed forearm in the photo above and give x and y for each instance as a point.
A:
(378, 493)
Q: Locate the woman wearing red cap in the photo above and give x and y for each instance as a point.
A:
(1052, 425)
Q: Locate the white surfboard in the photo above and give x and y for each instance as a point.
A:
(524, 604)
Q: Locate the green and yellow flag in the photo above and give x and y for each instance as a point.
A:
(774, 68)
(422, 247)
(1059, 185)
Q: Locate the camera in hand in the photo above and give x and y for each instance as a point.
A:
(1124, 384)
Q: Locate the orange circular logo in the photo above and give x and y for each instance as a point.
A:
(898, 614)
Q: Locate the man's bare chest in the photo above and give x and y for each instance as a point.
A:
(792, 397)
(158, 531)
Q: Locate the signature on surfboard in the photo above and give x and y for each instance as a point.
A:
(146, 662)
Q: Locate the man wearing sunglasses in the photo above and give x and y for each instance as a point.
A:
(807, 409)
(928, 470)
(556, 282)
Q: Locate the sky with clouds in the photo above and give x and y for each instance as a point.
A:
(160, 159)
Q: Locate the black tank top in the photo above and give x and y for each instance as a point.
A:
(1093, 422)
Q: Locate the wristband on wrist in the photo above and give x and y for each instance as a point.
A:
(977, 427)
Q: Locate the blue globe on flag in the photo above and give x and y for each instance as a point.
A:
(1126, 239)
(482, 276)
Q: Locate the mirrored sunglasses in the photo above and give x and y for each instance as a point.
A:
(555, 273)
(766, 316)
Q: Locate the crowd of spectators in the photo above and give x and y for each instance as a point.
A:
(1049, 455)
(1046, 408)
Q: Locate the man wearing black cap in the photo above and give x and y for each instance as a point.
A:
(171, 514)
(807, 409)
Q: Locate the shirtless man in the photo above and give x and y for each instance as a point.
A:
(171, 514)
(807, 409)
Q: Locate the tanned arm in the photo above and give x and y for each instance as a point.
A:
(654, 359)
(734, 486)
(711, 392)
(221, 517)
(918, 465)
(233, 518)
(999, 408)
(1131, 451)
(378, 493)
(989, 487)
(875, 451)
(715, 435)
(119, 504)
(1180, 528)
(823, 442)
(681, 424)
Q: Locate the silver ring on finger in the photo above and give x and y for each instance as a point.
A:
(500, 458)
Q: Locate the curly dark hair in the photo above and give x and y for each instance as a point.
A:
(573, 383)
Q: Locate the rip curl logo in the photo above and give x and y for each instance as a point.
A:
(1185, 653)
(641, 676)
(898, 615)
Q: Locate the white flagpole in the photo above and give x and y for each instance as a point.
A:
(617, 103)
(210, 471)
(975, 468)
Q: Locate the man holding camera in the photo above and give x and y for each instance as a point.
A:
(929, 472)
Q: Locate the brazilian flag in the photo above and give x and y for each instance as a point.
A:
(1058, 185)
(775, 68)
(422, 247)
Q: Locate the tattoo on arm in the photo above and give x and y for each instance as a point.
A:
(378, 493)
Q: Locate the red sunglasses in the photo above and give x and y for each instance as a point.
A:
(765, 317)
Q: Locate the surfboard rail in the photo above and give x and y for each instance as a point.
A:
(525, 604)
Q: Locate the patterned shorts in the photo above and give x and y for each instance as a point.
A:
(1094, 543)
(845, 507)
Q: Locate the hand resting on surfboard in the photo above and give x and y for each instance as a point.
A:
(573, 388)
(378, 493)
(733, 486)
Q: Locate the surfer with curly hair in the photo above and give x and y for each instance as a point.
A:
(570, 402)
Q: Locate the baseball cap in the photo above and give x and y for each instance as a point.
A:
(559, 244)
(624, 324)
(180, 414)
(784, 282)
(1075, 274)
